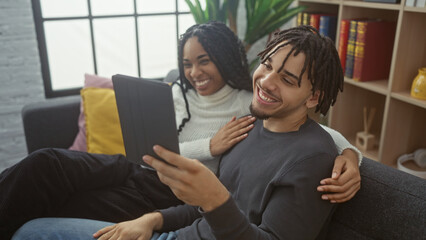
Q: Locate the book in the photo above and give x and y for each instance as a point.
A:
(350, 51)
(343, 42)
(315, 20)
(328, 26)
(306, 18)
(299, 19)
(373, 50)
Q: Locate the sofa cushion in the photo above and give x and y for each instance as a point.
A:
(103, 130)
(80, 143)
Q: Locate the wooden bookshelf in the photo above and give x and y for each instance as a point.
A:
(400, 121)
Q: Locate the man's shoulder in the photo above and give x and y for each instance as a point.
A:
(317, 140)
(313, 152)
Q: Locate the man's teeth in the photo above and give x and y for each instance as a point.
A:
(201, 83)
(265, 98)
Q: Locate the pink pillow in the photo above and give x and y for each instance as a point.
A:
(80, 143)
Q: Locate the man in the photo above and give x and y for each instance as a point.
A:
(266, 186)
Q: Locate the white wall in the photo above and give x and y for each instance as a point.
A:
(20, 76)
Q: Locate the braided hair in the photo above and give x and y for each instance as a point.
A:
(322, 61)
(225, 50)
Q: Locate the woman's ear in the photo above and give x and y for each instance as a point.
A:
(312, 101)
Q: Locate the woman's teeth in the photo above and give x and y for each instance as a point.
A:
(201, 83)
(264, 98)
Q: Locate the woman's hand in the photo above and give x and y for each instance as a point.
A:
(140, 228)
(230, 134)
(189, 179)
(345, 181)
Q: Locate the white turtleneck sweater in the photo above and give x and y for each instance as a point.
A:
(210, 113)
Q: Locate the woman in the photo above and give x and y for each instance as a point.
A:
(214, 88)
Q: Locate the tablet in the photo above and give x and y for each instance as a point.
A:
(147, 116)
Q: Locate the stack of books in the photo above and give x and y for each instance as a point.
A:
(365, 48)
(325, 23)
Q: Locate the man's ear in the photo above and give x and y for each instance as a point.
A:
(312, 101)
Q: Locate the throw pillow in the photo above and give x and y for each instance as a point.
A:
(79, 143)
(103, 131)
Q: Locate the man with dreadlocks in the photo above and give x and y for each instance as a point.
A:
(266, 185)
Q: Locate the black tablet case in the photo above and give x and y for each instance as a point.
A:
(147, 116)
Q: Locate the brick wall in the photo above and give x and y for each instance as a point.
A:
(20, 76)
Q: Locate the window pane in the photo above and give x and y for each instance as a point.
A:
(110, 7)
(158, 47)
(115, 44)
(183, 7)
(69, 51)
(185, 21)
(63, 8)
(150, 6)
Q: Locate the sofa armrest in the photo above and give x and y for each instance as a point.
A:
(390, 205)
(53, 123)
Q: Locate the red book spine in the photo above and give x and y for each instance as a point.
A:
(373, 53)
(343, 41)
(315, 21)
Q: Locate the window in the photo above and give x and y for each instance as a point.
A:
(106, 37)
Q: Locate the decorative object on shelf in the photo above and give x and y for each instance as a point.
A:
(419, 158)
(364, 139)
(418, 89)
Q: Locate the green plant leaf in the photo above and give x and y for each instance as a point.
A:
(249, 9)
(196, 11)
(266, 21)
(256, 35)
(212, 11)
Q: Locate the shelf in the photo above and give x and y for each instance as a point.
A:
(347, 114)
(380, 86)
(386, 6)
(405, 130)
(406, 97)
(399, 123)
(334, 2)
(415, 9)
(372, 154)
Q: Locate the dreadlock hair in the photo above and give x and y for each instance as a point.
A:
(322, 61)
(225, 50)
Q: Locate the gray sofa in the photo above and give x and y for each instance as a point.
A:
(390, 205)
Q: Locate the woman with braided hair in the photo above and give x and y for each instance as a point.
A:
(211, 98)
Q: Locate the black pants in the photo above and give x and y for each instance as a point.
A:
(63, 183)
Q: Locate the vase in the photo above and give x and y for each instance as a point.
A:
(418, 89)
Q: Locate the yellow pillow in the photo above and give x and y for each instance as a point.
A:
(103, 130)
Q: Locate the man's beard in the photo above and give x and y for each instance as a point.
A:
(258, 114)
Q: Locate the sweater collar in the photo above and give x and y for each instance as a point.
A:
(222, 93)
